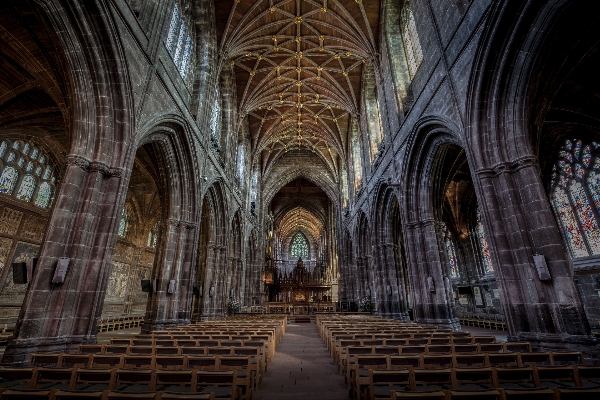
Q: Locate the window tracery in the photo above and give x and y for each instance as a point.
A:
(410, 39)
(575, 196)
(153, 236)
(26, 160)
(356, 155)
(450, 247)
(484, 248)
(299, 246)
(179, 41)
(123, 223)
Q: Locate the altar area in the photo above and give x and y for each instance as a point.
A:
(300, 292)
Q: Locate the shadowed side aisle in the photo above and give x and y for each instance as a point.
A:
(302, 368)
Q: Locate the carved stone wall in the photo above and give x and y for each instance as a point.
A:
(21, 233)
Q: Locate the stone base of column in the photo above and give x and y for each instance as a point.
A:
(149, 326)
(452, 323)
(18, 352)
(396, 316)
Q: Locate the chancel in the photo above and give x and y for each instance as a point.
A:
(260, 171)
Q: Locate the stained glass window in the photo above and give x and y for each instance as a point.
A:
(486, 257)
(451, 253)
(179, 42)
(175, 18)
(31, 162)
(44, 195)
(410, 38)
(26, 189)
(215, 119)
(575, 196)
(299, 246)
(356, 154)
(123, 223)
(187, 55)
(8, 179)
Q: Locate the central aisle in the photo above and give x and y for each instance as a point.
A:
(302, 369)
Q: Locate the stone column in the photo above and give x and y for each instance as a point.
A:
(426, 277)
(520, 223)
(83, 226)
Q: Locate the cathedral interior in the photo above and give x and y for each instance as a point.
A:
(426, 161)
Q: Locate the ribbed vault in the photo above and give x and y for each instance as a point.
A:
(298, 66)
(299, 218)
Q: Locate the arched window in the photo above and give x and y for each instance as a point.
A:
(8, 179)
(44, 195)
(451, 253)
(215, 120)
(153, 236)
(179, 41)
(344, 179)
(372, 111)
(26, 189)
(484, 248)
(29, 161)
(575, 196)
(123, 223)
(299, 246)
(356, 155)
(241, 162)
(410, 39)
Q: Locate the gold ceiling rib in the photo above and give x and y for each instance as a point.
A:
(298, 66)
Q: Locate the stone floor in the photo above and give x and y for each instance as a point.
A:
(302, 369)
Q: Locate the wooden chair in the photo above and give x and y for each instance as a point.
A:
(135, 380)
(221, 383)
(175, 381)
(551, 376)
(45, 360)
(577, 393)
(567, 358)
(187, 396)
(516, 378)
(206, 363)
(75, 360)
(106, 361)
(528, 394)
(426, 380)
(536, 358)
(358, 372)
(244, 373)
(436, 395)
(474, 395)
(382, 383)
(430, 361)
(465, 348)
(473, 379)
(138, 361)
(502, 359)
(470, 360)
(93, 380)
(589, 376)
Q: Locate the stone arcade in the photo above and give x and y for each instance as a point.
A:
(418, 154)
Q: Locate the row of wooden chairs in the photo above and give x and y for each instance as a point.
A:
(503, 394)
(223, 384)
(380, 384)
(116, 323)
(446, 368)
(487, 321)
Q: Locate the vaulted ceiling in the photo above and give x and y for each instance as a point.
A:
(298, 67)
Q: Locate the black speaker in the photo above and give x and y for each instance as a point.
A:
(19, 273)
(146, 285)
